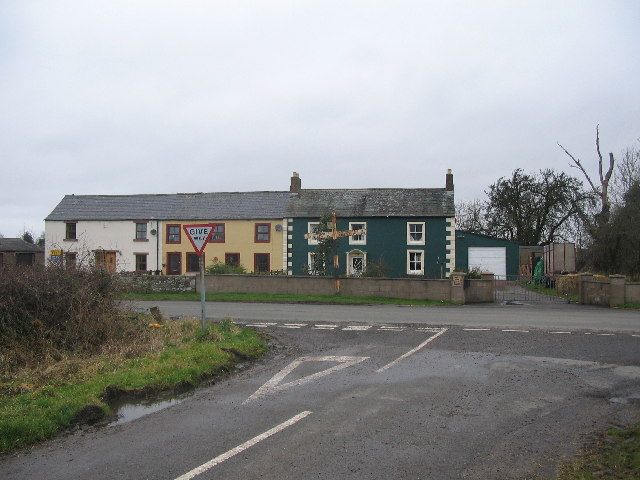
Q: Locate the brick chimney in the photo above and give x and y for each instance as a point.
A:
(449, 181)
(296, 183)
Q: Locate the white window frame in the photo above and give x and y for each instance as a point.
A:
(415, 272)
(364, 236)
(311, 241)
(424, 233)
(348, 256)
(311, 263)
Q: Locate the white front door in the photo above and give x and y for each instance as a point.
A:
(355, 263)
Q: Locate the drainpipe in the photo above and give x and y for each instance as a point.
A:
(157, 246)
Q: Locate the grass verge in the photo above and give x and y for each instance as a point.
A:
(37, 404)
(616, 455)
(283, 298)
(630, 306)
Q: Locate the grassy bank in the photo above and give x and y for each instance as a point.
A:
(36, 403)
(616, 455)
(282, 298)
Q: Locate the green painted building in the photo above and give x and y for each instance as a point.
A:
(488, 254)
(407, 232)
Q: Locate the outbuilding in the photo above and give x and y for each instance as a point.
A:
(486, 253)
(16, 251)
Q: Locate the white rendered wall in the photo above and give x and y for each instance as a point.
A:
(117, 236)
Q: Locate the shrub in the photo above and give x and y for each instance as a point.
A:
(53, 311)
(218, 268)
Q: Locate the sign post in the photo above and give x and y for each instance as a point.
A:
(199, 235)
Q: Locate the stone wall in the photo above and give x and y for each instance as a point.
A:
(407, 288)
(632, 292)
(608, 291)
(158, 283)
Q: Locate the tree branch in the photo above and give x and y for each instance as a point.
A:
(584, 172)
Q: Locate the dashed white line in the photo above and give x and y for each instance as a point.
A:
(477, 329)
(292, 325)
(515, 330)
(357, 327)
(261, 325)
(240, 448)
(635, 335)
(390, 329)
(412, 351)
(606, 334)
(559, 333)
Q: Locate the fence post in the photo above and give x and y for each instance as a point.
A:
(457, 287)
(616, 290)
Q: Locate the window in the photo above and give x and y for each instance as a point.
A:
(311, 266)
(173, 234)
(70, 259)
(261, 263)
(232, 259)
(263, 233)
(415, 233)
(70, 231)
(217, 233)
(141, 261)
(193, 262)
(312, 227)
(360, 239)
(415, 262)
(25, 259)
(141, 231)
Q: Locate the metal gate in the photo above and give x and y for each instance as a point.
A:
(518, 289)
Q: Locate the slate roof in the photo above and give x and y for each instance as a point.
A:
(18, 245)
(178, 206)
(373, 202)
(370, 202)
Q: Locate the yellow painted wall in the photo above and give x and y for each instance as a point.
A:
(239, 238)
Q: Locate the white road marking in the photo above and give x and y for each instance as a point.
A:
(557, 333)
(515, 330)
(635, 335)
(292, 325)
(391, 329)
(428, 329)
(587, 333)
(326, 325)
(261, 325)
(274, 385)
(240, 448)
(606, 334)
(357, 327)
(412, 351)
(477, 329)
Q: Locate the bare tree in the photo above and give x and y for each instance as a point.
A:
(626, 174)
(470, 216)
(601, 191)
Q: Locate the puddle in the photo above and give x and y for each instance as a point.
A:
(633, 398)
(128, 411)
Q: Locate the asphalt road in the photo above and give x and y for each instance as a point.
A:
(541, 315)
(376, 399)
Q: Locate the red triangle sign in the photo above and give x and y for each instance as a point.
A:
(199, 235)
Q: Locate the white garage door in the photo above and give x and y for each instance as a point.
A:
(489, 259)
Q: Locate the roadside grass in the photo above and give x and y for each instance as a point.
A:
(573, 298)
(37, 403)
(283, 298)
(630, 306)
(616, 455)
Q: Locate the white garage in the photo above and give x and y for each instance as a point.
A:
(489, 259)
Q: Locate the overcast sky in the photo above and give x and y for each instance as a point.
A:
(112, 97)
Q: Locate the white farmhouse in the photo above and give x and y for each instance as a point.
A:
(122, 237)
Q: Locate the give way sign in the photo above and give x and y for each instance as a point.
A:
(199, 235)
